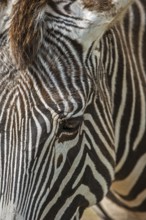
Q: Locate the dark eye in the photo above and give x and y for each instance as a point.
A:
(69, 128)
(71, 125)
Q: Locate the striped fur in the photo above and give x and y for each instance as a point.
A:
(61, 128)
(126, 47)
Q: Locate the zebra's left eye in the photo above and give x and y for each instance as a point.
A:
(71, 125)
(69, 128)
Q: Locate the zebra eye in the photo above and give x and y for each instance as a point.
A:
(71, 125)
(69, 128)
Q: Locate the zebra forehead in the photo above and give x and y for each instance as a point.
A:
(27, 24)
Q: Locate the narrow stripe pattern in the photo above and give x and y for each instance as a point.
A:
(72, 108)
(124, 58)
(56, 130)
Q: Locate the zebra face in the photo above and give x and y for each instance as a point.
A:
(88, 21)
(56, 111)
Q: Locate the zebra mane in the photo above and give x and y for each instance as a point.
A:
(99, 6)
(26, 30)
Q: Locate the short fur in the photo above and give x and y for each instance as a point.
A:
(98, 5)
(25, 31)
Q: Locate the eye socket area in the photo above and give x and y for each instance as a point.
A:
(69, 128)
(71, 125)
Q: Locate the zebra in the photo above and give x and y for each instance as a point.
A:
(68, 105)
(125, 43)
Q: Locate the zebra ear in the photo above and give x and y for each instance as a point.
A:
(26, 31)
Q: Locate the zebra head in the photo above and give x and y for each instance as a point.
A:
(56, 134)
